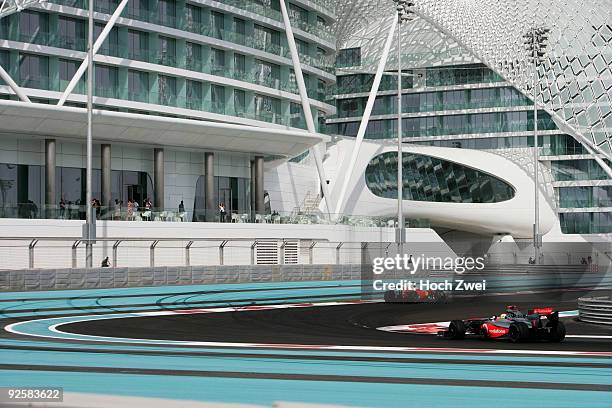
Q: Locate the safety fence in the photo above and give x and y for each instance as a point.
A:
(595, 309)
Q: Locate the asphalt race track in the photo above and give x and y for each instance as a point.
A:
(262, 343)
(343, 325)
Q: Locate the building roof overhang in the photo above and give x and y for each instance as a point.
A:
(34, 119)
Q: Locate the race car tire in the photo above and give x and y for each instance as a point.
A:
(456, 330)
(519, 331)
(390, 296)
(439, 297)
(557, 332)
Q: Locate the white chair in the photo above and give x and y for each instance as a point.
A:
(259, 218)
(169, 215)
(181, 216)
(244, 218)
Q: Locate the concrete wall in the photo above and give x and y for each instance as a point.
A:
(100, 278)
(48, 253)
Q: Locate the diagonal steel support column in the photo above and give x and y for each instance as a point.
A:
(96, 47)
(299, 78)
(346, 177)
(13, 85)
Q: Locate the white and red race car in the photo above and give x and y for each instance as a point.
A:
(536, 324)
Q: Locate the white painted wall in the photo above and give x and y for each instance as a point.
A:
(514, 216)
(55, 254)
(289, 183)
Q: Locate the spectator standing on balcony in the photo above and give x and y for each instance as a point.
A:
(62, 207)
(147, 210)
(130, 210)
(181, 210)
(106, 263)
(117, 212)
(222, 212)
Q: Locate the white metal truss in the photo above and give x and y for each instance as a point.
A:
(346, 176)
(96, 47)
(8, 7)
(299, 78)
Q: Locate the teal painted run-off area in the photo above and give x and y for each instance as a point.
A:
(264, 376)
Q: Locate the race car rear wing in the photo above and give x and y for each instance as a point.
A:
(543, 311)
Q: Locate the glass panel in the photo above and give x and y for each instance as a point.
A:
(431, 179)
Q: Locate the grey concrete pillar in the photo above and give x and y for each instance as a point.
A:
(259, 185)
(158, 177)
(105, 161)
(50, 185)
(209, 168)
(252, 191)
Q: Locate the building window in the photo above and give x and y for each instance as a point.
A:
(217, 61)
(105, 80)
(302, 47)
(266, 39)
(138, 45)
(266, 73)
(239, 65)
(167, 51)
(138, 86)
(295, 115)
(72, 33)
(167, 90)
(193, 18)
(4, 62)
(217, 98)
(267, 108)
(349, 57)
(67, 69)
(33, 27)
(193, 56)
(34, 71)
(217, 24)
(111, 43)
(239, 102)
(166, 11)
(138, 9)
(240, 30)
(297, 13)
(194, 94)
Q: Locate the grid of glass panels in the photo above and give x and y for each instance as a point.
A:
(432, 179)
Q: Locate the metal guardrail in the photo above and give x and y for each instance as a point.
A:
(595, 309)
(155, 241)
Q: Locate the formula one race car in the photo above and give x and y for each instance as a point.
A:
(537, 324)
(415, 296)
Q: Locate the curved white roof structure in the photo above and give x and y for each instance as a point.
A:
(575, 79)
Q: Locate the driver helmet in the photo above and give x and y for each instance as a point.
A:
(502, 316)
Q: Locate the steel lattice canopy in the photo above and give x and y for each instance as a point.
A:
(13, 6)
(575, 79)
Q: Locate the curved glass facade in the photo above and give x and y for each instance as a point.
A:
(428, 178)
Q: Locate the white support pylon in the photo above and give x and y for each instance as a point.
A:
(9, 81)
(81, 70)
(365, 119)
(299, 78)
